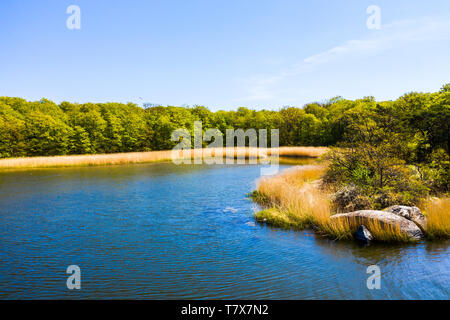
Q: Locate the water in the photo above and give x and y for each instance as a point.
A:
(161, 231)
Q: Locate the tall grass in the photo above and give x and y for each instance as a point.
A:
(312, 152)
(344, 228)
(437, 211)
(293, 199)
(157, 156)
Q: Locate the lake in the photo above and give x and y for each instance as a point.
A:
(162, 231)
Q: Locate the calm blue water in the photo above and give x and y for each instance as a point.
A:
(161, 231)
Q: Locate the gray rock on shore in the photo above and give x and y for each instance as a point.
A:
(410, 213)
(364, 217)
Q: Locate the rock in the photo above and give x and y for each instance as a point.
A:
(410, 213)
(364, 217)
(362, 234)
(349, 198)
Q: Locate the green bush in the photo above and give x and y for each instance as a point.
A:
(384, 161)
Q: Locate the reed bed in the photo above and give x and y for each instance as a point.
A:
(158, 156)
(343, 229)
(293, 199)
(307, 152)
(437, 211)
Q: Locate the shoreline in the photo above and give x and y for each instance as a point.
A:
(157, 156)
(293, 200)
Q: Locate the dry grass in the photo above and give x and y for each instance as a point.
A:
(345, 228)
(294, 200)
(157, 156)
(312, 152)
(437, 211)
(85, 160)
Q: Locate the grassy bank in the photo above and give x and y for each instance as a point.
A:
(295, 200)
(157, 156)
(437, 211)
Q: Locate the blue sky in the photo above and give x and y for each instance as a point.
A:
(222, 54)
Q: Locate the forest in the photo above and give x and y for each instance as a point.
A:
(43, 128)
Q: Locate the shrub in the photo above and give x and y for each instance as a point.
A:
(439, 171)
(349, 198)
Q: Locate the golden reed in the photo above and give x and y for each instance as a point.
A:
(156, 156)
(437, 211)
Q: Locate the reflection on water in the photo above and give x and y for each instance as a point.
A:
(164, 231)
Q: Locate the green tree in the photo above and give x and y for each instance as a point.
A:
(45, 135)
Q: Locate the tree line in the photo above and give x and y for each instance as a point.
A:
(44, 128)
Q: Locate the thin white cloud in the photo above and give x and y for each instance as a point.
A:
(390, 36)
(394, 35)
